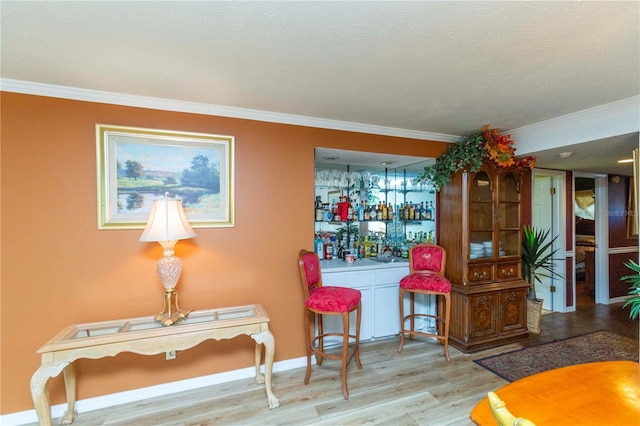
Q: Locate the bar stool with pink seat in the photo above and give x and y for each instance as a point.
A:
(328, 300)
(426, 276)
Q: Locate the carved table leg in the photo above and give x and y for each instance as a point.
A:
(39, 391)
(258, 358)
(69, 375)
(266, 338)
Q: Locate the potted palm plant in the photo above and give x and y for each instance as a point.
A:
(537, 263)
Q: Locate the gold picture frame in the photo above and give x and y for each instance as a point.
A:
(136, 165)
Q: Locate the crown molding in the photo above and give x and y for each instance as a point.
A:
(613, 119)
(40, 89)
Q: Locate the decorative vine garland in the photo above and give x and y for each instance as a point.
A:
(469, 153)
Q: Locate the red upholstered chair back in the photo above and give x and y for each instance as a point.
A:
(427, 259)
(309, 271)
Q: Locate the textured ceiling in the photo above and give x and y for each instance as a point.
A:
(440, 67)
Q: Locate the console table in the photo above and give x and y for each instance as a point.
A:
(146, 336)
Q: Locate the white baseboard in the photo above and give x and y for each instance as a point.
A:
(104, 401)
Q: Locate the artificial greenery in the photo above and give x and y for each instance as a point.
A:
(468, 155)
(634, 300)
(537, 258)
(343, 231)
(464, 155)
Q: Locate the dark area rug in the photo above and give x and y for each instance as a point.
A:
(592, 347)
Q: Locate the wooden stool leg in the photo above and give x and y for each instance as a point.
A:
(357, 350)
(412, 308)
(319, 356)
(447, 318)
(308, 333)
(345, 353)
(401, 299)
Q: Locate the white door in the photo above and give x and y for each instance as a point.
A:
(543, 220)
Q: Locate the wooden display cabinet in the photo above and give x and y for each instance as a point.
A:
(480, 226)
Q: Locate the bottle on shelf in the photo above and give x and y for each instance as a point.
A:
(387, 249)
(389, 211)
(328, 250)
(319, 247)
(430, 211)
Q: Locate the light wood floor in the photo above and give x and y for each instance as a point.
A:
(416, 387)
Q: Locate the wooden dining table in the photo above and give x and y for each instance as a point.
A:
(599, 393)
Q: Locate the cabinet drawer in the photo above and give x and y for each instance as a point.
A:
(390, 276)
(334, 279)
(479, 273)
(507, 271)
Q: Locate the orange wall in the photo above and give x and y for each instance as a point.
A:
(59, 269)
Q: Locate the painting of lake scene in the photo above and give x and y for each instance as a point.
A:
(137, 166)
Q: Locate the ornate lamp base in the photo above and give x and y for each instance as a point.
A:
(170, 316)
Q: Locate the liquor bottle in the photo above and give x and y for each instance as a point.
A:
(319, 247)
(407, 210)
(385, 211)
(387, 249)
(390, 211)
(379, 212)
(361, 211)
(412, 211)
(430, 211)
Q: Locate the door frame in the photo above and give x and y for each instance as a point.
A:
(558, 227)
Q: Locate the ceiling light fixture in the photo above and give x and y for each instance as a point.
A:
(567, 154)
(626, 160)
(387, 163)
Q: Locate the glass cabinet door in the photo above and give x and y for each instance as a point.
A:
(509, 215)
(481, 226)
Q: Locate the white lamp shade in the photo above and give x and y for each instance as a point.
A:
(167, 222)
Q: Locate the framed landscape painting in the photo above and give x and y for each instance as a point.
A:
(136, 166)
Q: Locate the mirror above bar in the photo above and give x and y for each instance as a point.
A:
(371, 205)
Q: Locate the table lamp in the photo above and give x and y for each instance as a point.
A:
(167, 224)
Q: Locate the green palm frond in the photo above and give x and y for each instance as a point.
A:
(634, 280)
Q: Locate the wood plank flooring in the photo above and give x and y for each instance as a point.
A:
(415, 387)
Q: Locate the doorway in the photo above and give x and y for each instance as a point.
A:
(549, 212)
(591, 236)
(585, 240)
